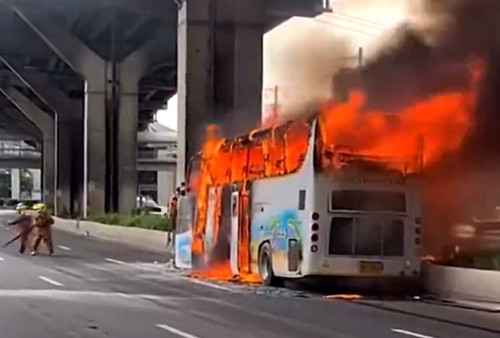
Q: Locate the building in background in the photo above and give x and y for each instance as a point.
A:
(156, 163)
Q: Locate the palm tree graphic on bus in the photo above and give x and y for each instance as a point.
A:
(283, 227)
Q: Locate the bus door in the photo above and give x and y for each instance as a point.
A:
(244, 229)
(183, 231)
(235, 225)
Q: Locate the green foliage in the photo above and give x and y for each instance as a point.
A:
(152, 222)
(485, 261)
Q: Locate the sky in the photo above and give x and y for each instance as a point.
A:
(168, 117)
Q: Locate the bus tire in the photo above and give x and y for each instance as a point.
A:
(266, 266)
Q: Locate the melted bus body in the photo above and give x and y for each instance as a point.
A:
(360, 219)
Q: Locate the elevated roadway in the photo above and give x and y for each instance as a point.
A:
(82, 78)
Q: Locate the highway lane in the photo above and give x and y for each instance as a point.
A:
(99, 289)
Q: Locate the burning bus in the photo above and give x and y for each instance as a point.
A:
(280, 203)
(333, 194)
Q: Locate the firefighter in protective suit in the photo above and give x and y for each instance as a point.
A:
(43, 229)
(24, 225)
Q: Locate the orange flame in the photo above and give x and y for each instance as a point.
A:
(442, 121)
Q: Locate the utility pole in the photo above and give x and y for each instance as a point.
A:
(360, 57)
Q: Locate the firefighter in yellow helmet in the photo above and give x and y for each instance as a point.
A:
(24, 225)
(43, 229)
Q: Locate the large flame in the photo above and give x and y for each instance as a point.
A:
(441, 122)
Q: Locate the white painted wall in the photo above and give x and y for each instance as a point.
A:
(15, 184)
(36, 193)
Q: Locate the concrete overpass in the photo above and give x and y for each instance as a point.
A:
(80, 79)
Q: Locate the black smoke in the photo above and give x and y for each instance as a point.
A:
(421, 63)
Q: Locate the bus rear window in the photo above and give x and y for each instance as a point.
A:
(363, 200)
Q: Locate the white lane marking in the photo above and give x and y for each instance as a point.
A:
(409, 333)
(62, 247)
(211, 285)
(175, 331)
(114, 261)
(50, 281)
(1, 259)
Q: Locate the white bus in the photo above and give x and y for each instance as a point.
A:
(358, 218)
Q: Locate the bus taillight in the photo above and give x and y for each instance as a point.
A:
(315, 227)
(315, 216)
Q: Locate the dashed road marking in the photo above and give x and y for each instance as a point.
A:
(62, 247)
(1, 259)
(50, 281)
(175, 331)
(111, 260)
(211, 285)
(409, 333)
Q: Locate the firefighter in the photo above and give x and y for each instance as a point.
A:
(24, 225)
(43, 223)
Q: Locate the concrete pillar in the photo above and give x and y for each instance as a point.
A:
(49, 170)
(36, 174)
(166, 186)
(64, 158)
(219, 70)
(94, 189)
(128, 114)
(15, 184)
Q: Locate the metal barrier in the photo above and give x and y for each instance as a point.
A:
(462, 284)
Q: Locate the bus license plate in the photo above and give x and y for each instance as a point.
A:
(371, 268)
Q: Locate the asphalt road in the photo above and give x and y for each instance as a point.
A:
(97, 289)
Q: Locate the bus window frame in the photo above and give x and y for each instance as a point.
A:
(374, 212)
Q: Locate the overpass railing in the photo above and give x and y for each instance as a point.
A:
(19, 152)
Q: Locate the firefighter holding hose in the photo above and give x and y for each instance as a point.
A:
(24, 225)
(43, 227)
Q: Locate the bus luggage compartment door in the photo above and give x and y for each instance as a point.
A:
(235, 196)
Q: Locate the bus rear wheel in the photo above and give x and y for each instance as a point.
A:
(266, 266)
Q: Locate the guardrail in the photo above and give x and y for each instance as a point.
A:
(462, 284)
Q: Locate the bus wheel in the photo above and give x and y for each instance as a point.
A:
(266, 266)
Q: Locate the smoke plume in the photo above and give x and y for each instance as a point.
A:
(305, 56)
(432, 58)
(426, 60)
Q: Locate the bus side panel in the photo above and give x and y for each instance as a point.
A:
(185, 219)
(276, 218)
(279, 217)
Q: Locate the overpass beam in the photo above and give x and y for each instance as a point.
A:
(93, 69)
(219, 70)
(47, 126)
